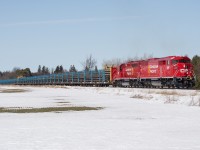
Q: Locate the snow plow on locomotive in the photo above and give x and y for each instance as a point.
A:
(171, 71)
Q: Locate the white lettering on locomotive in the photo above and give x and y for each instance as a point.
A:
(129, 71)
(152, 71)
(153, 66)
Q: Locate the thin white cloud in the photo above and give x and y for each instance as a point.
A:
(69, 21)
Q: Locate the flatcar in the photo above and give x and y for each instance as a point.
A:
(80, 78)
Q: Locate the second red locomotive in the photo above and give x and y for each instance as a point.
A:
(171, 71)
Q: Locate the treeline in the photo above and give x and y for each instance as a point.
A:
(16, 73)
(88, 64)
(59, 69)
(42, 70)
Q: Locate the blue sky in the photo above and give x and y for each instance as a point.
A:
(65, 32)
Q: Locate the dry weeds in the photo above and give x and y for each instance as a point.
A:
(170, 93)
(47, 109)
(194, 102)
(171, 98)
(13, 91)
(139, 96)
(195, 93)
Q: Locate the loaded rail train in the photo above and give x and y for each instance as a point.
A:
(171, 72)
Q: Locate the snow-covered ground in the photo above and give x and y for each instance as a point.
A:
(132, 119)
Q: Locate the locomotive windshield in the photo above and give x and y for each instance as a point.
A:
(184, 61)
(180, 61)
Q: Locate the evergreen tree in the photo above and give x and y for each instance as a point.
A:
(24, 72)
(1, 74)
(43, 69)
(61, 69)
(72, 69)
(96, 69)
(196, 64)
(39, 69)
(57, 69)
(27, 72)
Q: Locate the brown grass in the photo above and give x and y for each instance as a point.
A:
(63, 102)
(139, 96)
(173, 93)
(13, 91)
(47, 109)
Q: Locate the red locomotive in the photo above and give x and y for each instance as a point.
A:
(171, 71)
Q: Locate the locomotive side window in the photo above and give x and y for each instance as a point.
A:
(121, 66)
(184, 61)
(174, 62)
(162, 62)
(180, 61)
(134, 65)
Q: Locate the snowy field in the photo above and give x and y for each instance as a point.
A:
(131, 119)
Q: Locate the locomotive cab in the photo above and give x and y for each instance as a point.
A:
(183, 71)
(182, 67)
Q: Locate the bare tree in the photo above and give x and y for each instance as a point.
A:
(147, 56)
(89, 63)
(135, 58)
(118, 61)
(112, 62)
